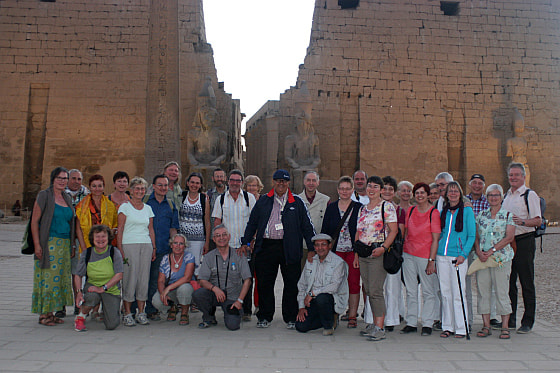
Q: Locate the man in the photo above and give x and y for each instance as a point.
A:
(166, 224)
(219, 180)
(225, 279)
(442, 179)
(75, 188)
(172, 171)
(322, 289)
(479, 204)
(526, 217)
(280, 222)
(232, 209)
(77, 192)
(476, 196)
(316, 203)
(360, 195)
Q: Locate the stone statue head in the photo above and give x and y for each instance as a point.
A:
(518, 122)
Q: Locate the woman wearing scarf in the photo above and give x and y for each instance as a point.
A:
(458, 233)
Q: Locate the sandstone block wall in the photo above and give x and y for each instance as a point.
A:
(400, 88)
(74, 88)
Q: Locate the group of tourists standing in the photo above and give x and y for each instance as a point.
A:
(167, 250)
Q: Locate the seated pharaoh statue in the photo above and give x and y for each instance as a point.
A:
(207, 145)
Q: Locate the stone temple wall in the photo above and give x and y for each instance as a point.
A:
(401, 88)
(74, 87)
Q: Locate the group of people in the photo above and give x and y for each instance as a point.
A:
(170, 251)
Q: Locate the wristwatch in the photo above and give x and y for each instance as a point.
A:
(311, 294)
(431, 260)
(105, 287)
(493, 249)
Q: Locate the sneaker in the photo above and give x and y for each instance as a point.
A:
(409, 329)
(426, 330)
(194, 308)
(142, 318)
(128, 320)
(204, 325)
(377, 335)
(524, 329)
(263, 324)
(367, 331)
(291, 325)
(437, 325)
(80, 324)
(328, 331)
(495, 324)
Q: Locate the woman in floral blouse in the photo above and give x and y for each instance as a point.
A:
(495, 231)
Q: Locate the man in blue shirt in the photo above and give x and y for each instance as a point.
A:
(166, 224)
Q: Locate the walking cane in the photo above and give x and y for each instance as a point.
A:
(462, 301)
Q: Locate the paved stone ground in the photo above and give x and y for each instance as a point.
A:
(26, 346)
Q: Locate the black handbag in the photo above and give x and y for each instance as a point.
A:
(363, 250)
(392, 258)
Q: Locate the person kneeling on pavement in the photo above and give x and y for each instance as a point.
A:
(322, 289)
(174, 281)
(225, 279)
(102, 265)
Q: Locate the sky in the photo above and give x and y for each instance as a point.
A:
(258, 46)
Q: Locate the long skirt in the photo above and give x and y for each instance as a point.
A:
(52, 287)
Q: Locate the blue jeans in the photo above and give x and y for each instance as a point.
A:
(152, 286)
(320, 313)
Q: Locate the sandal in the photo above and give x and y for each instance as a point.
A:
(504, 334)
(172, 314)
(446, 334)
(352, 323)
(345, 317)
(184, 319)
(57, 320)
(484, 332)
(459, 336)
(46, 320)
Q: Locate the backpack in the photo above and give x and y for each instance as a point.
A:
(147, 197)
(541, 229)
(223, 196)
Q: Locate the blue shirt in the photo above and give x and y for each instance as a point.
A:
(165, 218)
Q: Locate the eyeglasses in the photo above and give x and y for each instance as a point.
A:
(223, 235)
(235, 180)
(442, 184)
(345, 189)
(374, 186)
(179, 243)
(162, 185)
(494, 195)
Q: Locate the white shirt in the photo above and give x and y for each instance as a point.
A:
(514, 202)
(235, 215)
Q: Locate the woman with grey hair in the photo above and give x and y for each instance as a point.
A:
(137, 244)
(495, 231)
(54, 228)
(404, 192)
(174, 281)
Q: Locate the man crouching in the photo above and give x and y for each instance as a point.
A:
(225, 279)
(322, 289)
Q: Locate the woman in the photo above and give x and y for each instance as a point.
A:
(393, 284)
(194, 218)
(458, 232)
(175, 274)
(495, 231)
(378, 236)
(119, 196)
(434, 194)
(136, 241)
(102, 265)
(422, 230)
(96, 209)
(253, 185)
(404, 192)
(54, 229)
(343, 234)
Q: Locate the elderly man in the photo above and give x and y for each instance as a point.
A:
(360, 195)
(476, 196)
(166, 224)
(316, 203)
(280, 222)
(442, 179)
(232, 210)
(77, 192)
(322, 289)
(525, 206)
(225, 279)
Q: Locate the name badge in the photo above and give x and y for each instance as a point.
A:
(279, 227)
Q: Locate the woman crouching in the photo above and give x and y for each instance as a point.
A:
(102, 265)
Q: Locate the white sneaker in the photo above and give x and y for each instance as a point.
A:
(263, 324)
(368, 330)
(142, 318)
(128, 320)
(291, 325)
(377, 335)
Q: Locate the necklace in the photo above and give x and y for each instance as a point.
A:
(176, 262)
(192, 199)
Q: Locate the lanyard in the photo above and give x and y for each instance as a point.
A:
(218, 272)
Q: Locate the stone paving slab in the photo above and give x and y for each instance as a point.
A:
(26, 346)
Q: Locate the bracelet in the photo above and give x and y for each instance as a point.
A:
(240, 300)
(431, 260)
(212, 288)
